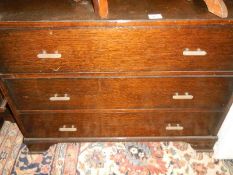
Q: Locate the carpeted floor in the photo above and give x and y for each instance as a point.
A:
(107, 158)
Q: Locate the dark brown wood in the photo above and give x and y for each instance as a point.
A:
(203, 143)
(3, 103)
(39, 147)
(69, 10)
(225, 113)
(120, 74)
(12, 25)
(84, 111)
(120, 93)
(139, 74)
(1, 109)
(102, 50)
(7, 116)
(141, 124)
(12, 107)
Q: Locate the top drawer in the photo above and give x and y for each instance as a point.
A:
(116, 49)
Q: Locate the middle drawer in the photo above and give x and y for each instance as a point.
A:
(120, 93)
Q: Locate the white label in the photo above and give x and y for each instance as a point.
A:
(155, 16)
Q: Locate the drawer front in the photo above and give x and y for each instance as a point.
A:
(116, 49)
(120, 93)
(120, 124)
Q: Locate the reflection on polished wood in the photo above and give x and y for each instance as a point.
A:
(101, 8)
(217, 7)
(69, 76)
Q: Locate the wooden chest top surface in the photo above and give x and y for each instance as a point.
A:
(120, 11)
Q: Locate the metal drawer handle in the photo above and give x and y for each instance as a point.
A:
(66, 129)
(57, 98)
(197, 52)
(3, 105)
(44, 54)
(176, 127)
(186, 96)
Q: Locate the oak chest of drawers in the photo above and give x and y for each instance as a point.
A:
(89, 79)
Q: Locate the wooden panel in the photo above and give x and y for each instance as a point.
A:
(7, 116)
(101, 8)
(217, 7)
(1, 97)
(120, 124)
(116, 49)
(200, 143)
(70, 11)
(120, 93)
(3, 103)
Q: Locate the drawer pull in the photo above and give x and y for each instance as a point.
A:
(176, 127)
(3, 105)
(186, 96)
(44, 54)
(57, 98)
(66, 129)
(197, 52)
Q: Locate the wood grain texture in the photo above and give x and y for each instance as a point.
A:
(7, 115)
(120, 93)
(14, 25)
(101, 8)
(11, 106)
(200, 143)
(120, 73)
(104, 50)
(2, 103)
(141, 124)
(69, 10)
(225, 112)
(217, 7)
(139, 74)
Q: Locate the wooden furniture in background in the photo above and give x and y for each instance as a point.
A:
(101, 8)
(216, 7)
(69, 76)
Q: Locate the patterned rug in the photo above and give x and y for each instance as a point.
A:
(108, 158)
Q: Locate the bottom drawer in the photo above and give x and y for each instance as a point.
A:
(137, 124)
